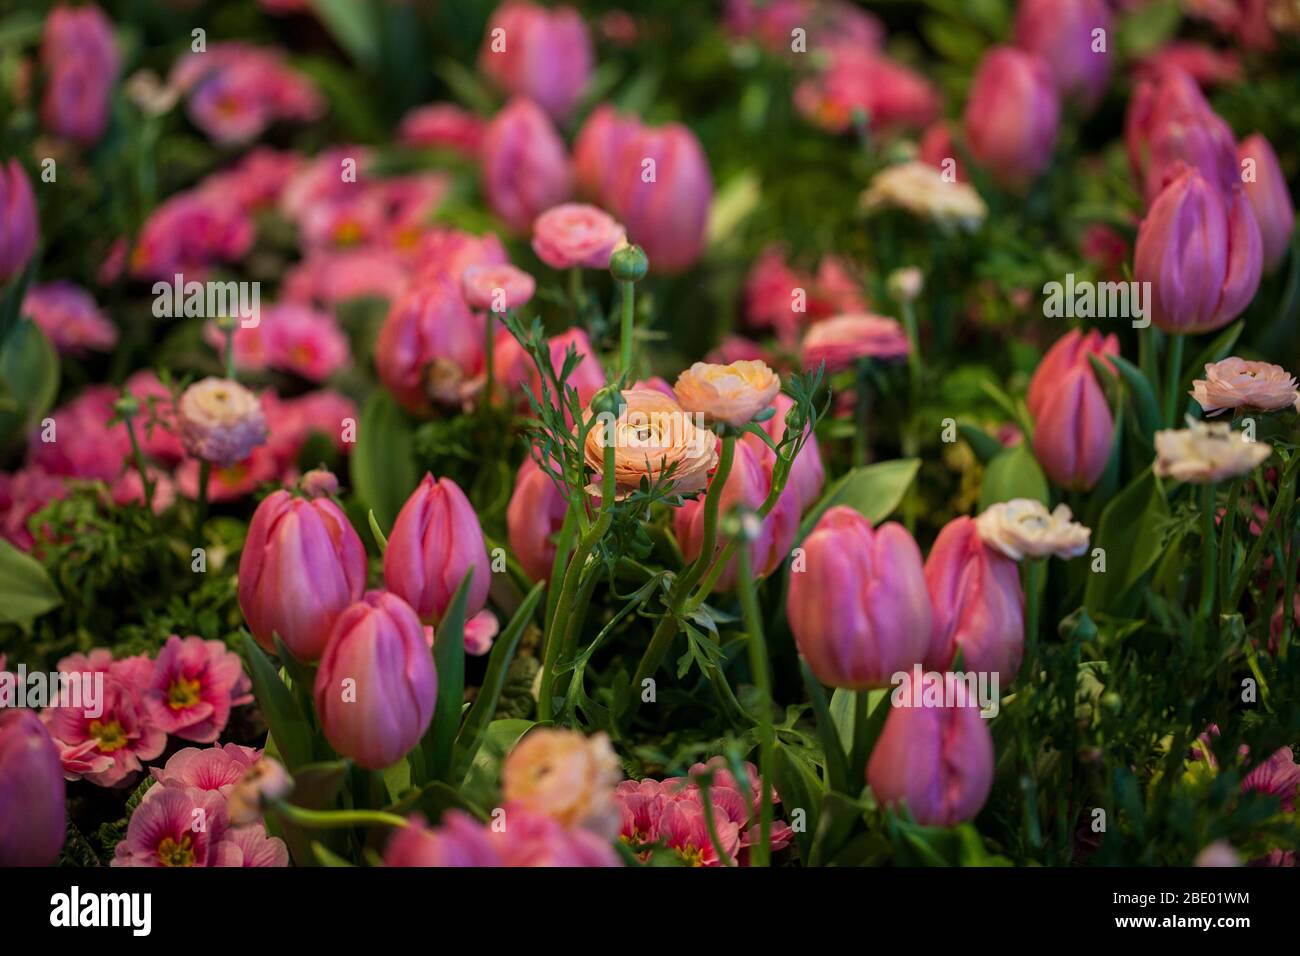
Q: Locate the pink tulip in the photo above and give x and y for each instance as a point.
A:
(1169, 121)
(81, 59)
(32, 821)
(525, 170)
(542, 54)
(1073, 425)
(430, 347)
(747, 486)
(806, 472)
(1063, 33)
(597, 150)
(376, 685)
(18, 222)
(977, 603)
(859, 609)
(533, 518)
(434, 543)
(935, 761)
(662, 190)
(1202, 253)
(1269, 198)
(302, 565)
(1012, 115)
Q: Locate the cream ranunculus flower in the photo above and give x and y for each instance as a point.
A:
(652, 434)
(567, 776)
(1204, 452)
(220, 421)
(920, 189)
(1023, 528)
(1236, 383)
(732, 393)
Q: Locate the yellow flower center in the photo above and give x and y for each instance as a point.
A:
(693, 855)
(110, 736)
(171, 853)
(183, 693)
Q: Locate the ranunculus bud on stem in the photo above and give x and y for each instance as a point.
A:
(128, 406)
(628, 265)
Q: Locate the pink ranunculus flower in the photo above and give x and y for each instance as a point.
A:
(859, 610)
(302, 565)
(576, 235)
(1064, 33)
(217, 768)
(662, 190)
(81, 61)
(32, 791)
(598, 149)
(436, 540)
(1200, 249)
(174, 827)
(109, 748)
(1074, 428)
(1269, 198)
(68, 316)
(524, 167)
(843, 340)
(1012, 115)
(18, 220)
(430, 347)
(976, 602)
(195, 684)
(542, 54)
(496, 288)
(935, 761)
(442, 126)
(376, 685)
(533, 519)
(220, 421)
(1236, 383)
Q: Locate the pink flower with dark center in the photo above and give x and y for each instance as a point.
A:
(174, 827)
(108, 748)
(195, 684)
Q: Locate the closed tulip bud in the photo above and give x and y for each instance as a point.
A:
(376, 685)
(18, 223)
(597, 150)
(524, 168)
(1169, 121)
(533, 518)
(434, 543)
(661, 191)
(859, 609)
(430, 348)
(1012, 115)
(542, 54)
(935, 761)
(1202, 253)
(302, 565)
(1064, 34)
(80, 56)
(1073, 427)
(976, 603)
(32, 792)
(1269, 198)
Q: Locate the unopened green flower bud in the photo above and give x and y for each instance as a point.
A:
(629, 264)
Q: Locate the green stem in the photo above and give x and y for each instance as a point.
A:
(859, 752)
(625, 342)
(1033, 588)
(1173, 380)
(138, 458)
(489, 340)
(862, 408)
(337, 819)
(575, 293)
(758, 664)
(205, 474)
(1208, 563)
(1225, 546)
(230, 351)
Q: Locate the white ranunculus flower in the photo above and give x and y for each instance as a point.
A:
(1023, 528)
(1204, 452)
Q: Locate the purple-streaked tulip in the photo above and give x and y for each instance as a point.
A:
(435, 541)
(18, 222)
(524, 167)
(533, 518)
(1073, 427)
(1012, 115)
(80, 57)
(32, 821)
(1202, 253)
(858, 608)
(302, 565)
(661, 191)
(936, 761)
(376, 685)
(1062, 32)
(1168, 121)
(1269, 198)
(977, 605)
(542, 54)
(597, 150)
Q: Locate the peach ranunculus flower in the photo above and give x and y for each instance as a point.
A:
(1205, 452)
(567, 776)
(921, 189)
(842, 340)
(653, 436)
(732, 393)
(576, 234)
(220, 421)
(496, 288)
(1023, 528)
(1236, 383)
